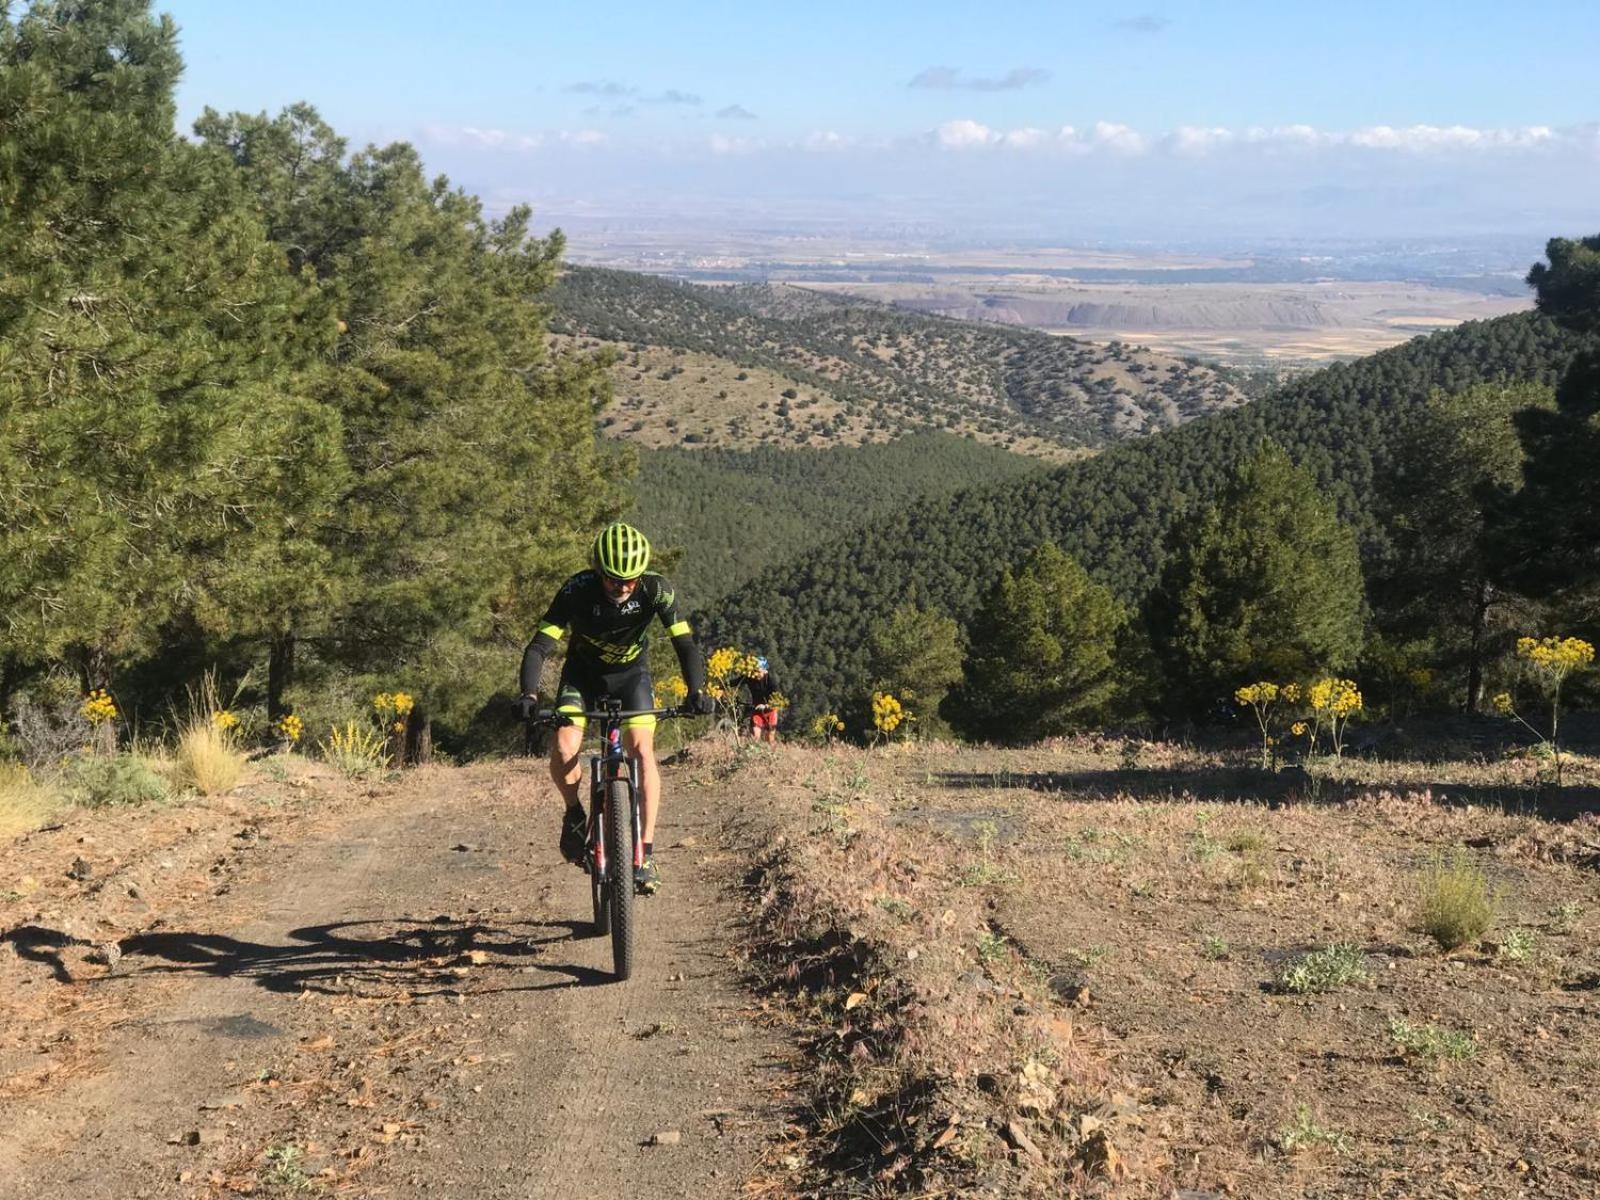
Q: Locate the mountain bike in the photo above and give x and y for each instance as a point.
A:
(615, 830)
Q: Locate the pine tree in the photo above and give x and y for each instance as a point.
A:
(916, 655)
(1548, 539)
(1043, 653)
(1461, 461)
(475, 474)
(1265, 584)
(151, 439)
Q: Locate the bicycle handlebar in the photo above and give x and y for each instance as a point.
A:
(556, 717)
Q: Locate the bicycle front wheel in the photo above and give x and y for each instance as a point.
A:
(619, 850)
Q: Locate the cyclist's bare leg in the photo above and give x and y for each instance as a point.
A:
(641, 744)
(566, 772)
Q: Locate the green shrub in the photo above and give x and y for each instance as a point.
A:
(1431, 1042)
(355, 749)
(1324, 970)
(1455, 905)
(99, 782)
(1307, 1133)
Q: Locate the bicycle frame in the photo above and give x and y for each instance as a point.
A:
(611, 764)
(615, 839)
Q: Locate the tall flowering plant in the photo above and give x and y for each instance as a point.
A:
(1549, 661)
(1334, 702)
(1267, 701)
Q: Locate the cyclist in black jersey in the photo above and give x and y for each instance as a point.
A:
(608, 609)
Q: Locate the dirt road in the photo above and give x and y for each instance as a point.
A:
(389, 995)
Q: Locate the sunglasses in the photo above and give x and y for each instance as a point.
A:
(613, 584)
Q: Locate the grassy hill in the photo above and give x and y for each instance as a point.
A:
(737, 513)
(1116, 510)
(766, 365)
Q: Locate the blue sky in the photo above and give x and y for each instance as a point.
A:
(1416, 108)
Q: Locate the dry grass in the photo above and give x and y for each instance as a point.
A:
(940, 1056)
(24, 803)
(1455, 905)
(207, 759)
(1166, 890)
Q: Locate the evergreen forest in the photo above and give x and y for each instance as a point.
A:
(269, 406)
(737, 513)
(1348, 429)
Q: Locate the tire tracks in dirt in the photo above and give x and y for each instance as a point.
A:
(396, 1003)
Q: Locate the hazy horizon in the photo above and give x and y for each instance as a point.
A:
(1046, 121)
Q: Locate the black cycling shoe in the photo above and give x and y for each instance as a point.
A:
(646, 879)
(574, 835)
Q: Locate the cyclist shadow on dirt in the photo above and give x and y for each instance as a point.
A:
(424, 958)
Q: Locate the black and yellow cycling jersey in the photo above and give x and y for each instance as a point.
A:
(607, 636)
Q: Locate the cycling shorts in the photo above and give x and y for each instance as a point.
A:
(765, 720)
(583, 683)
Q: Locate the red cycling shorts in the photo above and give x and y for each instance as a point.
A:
(765, 720)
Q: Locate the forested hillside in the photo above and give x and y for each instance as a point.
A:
(765, 365)
(1115, 512)
(737, 513)
(267, 406)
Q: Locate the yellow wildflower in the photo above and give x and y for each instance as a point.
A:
(392, 704)
(1257, 693)
(1335, 697)
(1556, 656)
(888, 714)
(98, 707)
(827, 725)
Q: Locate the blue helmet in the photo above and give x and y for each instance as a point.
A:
(761, 663)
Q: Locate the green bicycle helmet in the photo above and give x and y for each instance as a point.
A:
(620, 551)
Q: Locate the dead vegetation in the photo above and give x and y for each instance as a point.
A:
(940, 1057)
(1015, 974)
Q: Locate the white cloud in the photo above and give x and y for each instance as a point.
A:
(963, 134)
(1026, 139)
(1121, 139)
(582, 137)
(481, 139)
(1284, 135)
(1451, 137)
(1198, 141)
(1193, 140)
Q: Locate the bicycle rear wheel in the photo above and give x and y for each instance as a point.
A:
(619, 852)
